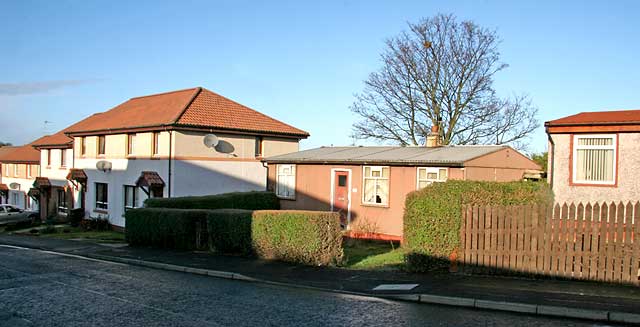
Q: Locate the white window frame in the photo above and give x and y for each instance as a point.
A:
(15, 170)
(28, 168)
(64, 209)
(105, 204)
(135, 197)
(63, 158)
(282, 187)
(7, 170)
(131, 144)
(430, 170)
(574, 156)
(364, 178)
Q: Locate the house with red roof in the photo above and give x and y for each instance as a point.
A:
(20, 166)
(179, 143)
(595, 156)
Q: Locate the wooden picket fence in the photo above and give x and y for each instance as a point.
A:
(586, 241)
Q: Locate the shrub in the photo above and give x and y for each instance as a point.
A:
(164, 228)
(236, 200)
(229, 231)
(95, 224)
(75, 216)
(432, 217)
(307, 237)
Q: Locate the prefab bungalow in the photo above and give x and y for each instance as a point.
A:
(368, 184)
(594, 156)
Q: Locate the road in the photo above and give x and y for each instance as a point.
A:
(38, 288)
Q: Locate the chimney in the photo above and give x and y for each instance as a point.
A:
(433, 138)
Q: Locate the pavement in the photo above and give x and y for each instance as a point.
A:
(572, 299)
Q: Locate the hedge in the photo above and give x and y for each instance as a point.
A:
(433, 215)
(236, 200)
(164, 228)
(307, 237)
(229, 231)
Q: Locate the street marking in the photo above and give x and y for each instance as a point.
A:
(395, 287)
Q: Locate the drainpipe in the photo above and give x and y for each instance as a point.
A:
(170, 159)
(552, 152)
(266, 167)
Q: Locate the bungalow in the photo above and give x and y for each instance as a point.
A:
(180, 143)
(368, 185)
(20, 167)
(594, 156)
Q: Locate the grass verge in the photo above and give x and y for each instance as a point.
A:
(372, 255)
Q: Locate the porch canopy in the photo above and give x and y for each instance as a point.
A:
(42, 183)
(150, 181)
(4, 188)
(77, 175)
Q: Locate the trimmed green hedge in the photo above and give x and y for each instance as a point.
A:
(235, 200)
(229, 231)
(433, 215)
(164, 228)
(308, 237)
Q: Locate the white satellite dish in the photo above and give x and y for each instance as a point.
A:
(210, 140)
(103, 165)
(14, 186)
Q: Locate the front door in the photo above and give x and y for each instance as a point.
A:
(341, 196)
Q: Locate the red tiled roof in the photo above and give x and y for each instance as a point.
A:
(621, 117)
(196, 107)
(76, 174)
(4, 187)
(21, 154)
(58, 139)
(6, 149)
(42, 182)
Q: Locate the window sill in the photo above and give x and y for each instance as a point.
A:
(289, 198)
(375, 205)
(583, 184)
(100, 211)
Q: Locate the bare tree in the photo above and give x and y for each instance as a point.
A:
(440, 72)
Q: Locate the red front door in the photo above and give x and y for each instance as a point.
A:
(341, 195)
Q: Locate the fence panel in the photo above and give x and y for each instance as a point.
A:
(584, 241)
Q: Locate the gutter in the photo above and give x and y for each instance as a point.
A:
(552, 152)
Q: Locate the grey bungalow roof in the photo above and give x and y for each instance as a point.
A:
(452, 155)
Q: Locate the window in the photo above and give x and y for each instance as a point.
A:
(15, 170)
(28, 167)
(259, 146)
(101, 144)
(376, 185)
(156, 143)
(7, 169)
(63, 158)
(83, 146)
(48, 154)
(102, 199)
(62, 201)
(594, 159)
(130, 197)
(131, 140)
(286, 181)
(342, 180)
(428, 175)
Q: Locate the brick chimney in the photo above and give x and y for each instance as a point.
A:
(433, 138)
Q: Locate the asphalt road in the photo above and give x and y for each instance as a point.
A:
(44, 289)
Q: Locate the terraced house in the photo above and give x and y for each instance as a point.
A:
(20, 166)
(180, 143)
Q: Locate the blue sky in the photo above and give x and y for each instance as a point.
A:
(298, 61)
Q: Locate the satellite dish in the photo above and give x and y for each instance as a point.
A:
(14, 186)
(103, 165)
(210, 140)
